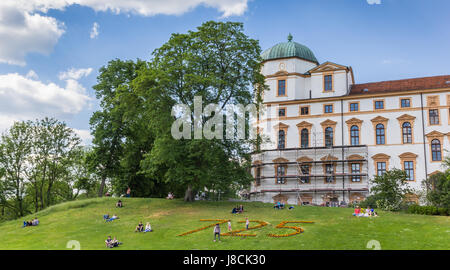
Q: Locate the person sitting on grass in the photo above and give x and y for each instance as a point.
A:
(114, 217)
(234, 211)
(109, 242)
(139, 227)
(240, 208)
(35, 222)
(116, 242)
(148, 227)
(357, 211)
(119, 204)
(170, 196)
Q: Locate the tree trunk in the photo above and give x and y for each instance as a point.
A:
(189, 195)
(102, 186)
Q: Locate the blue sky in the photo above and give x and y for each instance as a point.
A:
(42, 39)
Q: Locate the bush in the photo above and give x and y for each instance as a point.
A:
(443, 211)
(370, 201)
(427, 210)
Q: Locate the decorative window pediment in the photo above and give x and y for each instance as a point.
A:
(355, 157)
(304, 124)
(354, 121)
(280, 126)
(381, 156)
(328, 122)
(327, 66)
(408, 155)
(379, 119)
(406, 117)
(280, 160)
(329, 158)
(435, 134)
(304, 159)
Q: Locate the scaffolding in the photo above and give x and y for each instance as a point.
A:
(318, 169)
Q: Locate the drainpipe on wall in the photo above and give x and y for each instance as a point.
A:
(342, 144)
(423, 136)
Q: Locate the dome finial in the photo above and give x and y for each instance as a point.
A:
(289, 37)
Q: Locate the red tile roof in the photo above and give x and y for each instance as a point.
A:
(402, 85)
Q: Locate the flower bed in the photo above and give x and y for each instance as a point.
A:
(237, 232)
(220, 221)
(298, 230)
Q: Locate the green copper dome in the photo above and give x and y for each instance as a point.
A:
(289, 49)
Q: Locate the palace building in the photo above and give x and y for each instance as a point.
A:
(325, 136)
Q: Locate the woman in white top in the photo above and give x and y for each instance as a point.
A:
(148, 227)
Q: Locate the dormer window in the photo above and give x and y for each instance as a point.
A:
(328, 83)
(281, 88)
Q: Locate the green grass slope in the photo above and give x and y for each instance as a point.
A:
(334, 228)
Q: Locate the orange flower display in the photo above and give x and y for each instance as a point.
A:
(237, 232)
(220, 221)
(298, 230)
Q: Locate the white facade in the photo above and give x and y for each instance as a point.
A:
(305, 86)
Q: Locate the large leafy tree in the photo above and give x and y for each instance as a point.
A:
(219, 63)
(120, 133)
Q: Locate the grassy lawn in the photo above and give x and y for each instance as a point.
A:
(334, 228)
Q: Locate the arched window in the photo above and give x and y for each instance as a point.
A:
(380, 134)
(304, 138)
(436, 154)
(281, 139)
(354, 135)
(407, 132)
(329, 136)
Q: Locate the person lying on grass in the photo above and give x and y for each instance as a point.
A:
(148, 227)
(33, 222)
(106, 216)
(139, 227)
(112, 218)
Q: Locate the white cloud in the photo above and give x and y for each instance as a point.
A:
(371, 2)
(22, 33)
(75, 74)
(26, 28)
(24, 98)
(141, 7)
(85, 136)
(94, 30)
(32, 75)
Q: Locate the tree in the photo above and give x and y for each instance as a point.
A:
(14, 150)
(108, 126)
(438, 186)
(219, 63)
(390, 189)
